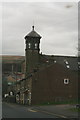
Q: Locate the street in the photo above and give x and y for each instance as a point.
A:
(19, 111)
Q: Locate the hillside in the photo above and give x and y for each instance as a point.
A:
(12, 59)
(12, 63)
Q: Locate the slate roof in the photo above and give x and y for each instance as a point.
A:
(66, 61)
(72, 62)
(33, 33)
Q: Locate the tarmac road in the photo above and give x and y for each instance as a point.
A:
(20, 111)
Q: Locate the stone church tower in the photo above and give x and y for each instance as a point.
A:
(32, 50)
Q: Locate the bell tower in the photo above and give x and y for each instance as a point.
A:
(32, 50)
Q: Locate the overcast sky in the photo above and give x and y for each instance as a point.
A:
(56, 22)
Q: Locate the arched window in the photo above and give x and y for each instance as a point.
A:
(29, 45)
(36, 45)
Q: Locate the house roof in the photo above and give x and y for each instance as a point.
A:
(33, 33)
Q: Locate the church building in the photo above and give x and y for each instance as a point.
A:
(48, 78)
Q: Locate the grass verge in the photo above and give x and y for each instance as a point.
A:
(59, 103)
(75, 109)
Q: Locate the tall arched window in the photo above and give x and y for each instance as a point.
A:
(36, 45)
(29, 45)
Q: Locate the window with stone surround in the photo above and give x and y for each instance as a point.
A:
(29, 45)
(66, 81)
(36, 45)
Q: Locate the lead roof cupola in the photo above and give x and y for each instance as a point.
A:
(33, 33)
(33, 40)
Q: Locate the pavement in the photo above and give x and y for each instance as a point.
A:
(62, 111)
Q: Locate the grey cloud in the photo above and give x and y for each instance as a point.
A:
(52, 21)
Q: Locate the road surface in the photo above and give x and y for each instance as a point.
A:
(20, 111)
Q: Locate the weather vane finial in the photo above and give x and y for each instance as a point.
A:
(33, 26)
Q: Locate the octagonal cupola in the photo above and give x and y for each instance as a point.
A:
(32, 40)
